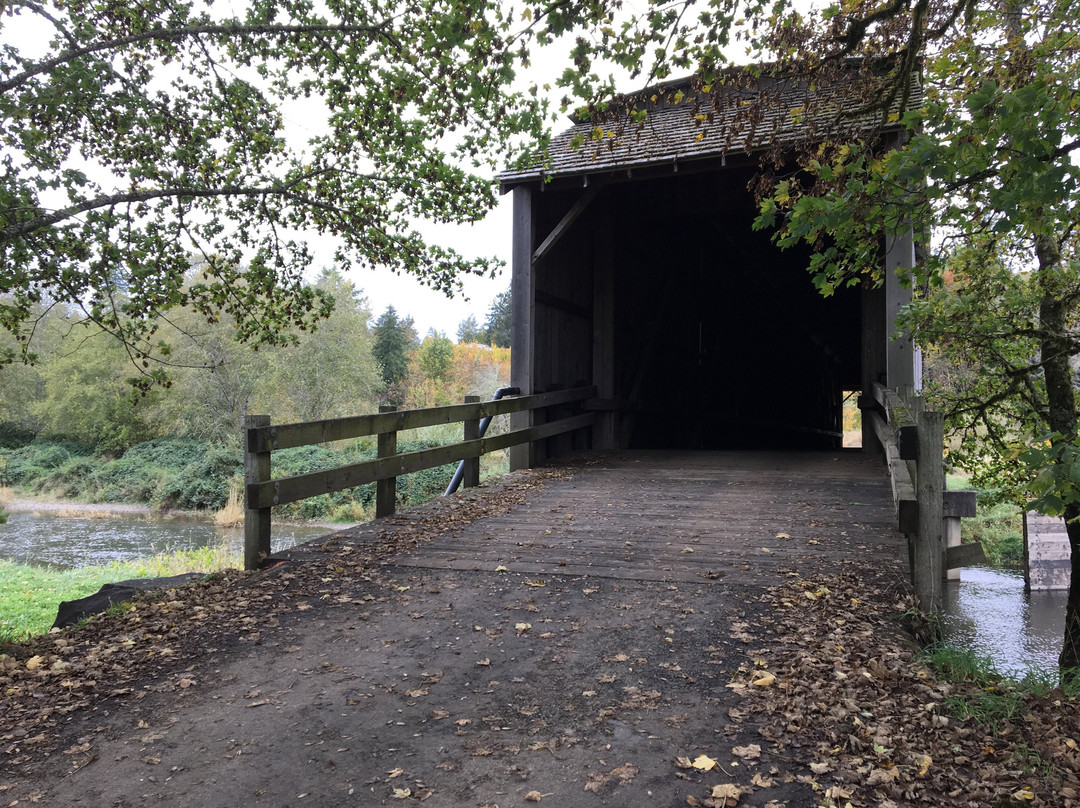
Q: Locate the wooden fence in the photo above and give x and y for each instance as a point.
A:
(912, 439)
(261, 439)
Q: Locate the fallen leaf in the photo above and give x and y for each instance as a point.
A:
(782, 536)
(606, 678)
(483, 663)
(747, 752)
(534, 796)
(522, 627)
(535, 582)
(34, 662)
(764, 679)
(683, 763)
(402, 793)
(704, 762)
(415, 694)
(761, 782)
(728, 794)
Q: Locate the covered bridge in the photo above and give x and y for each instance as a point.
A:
(636, 269)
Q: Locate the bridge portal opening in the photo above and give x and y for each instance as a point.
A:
(710, 335)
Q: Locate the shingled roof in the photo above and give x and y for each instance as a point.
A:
(686, 122)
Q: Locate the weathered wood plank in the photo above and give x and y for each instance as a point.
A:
(302, 486)
(286, 436)
(714, 518)
(964, 555)
(256, 518)
(567, 220)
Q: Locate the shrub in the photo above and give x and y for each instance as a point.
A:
(200, 484)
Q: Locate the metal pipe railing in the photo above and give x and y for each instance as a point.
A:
(455, 481)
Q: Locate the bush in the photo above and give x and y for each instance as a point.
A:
(26, 465)
(73, 479)
(201, 484)
(15, 436)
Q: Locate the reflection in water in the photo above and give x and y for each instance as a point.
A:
(988, 612)
(46, 539)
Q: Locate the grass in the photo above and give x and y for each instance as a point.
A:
(29, 596)
(998, 698)
(999, 527)
(233, 513)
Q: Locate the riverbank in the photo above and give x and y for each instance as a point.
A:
(356, 674)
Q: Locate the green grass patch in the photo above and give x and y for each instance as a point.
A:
(995, 697)
(29, 596)
(998, 525)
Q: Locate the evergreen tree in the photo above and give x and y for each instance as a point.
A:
(498, 321)
(395, 338)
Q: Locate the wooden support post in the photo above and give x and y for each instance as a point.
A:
(471, 478)
(256, 520)
(523, 302)
(386, 490)
(929, 557)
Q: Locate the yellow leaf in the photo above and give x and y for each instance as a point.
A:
(924, 762)
(500, 568)
(522, 627)
(536, 582)
(679, 96)
(704, 762)
(390, 775)
(764, 679)
(1024, 794)
(700, 136)
(782, 536)
(402, 793)
(34, 662)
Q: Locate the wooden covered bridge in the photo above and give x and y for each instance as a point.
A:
(654, 327)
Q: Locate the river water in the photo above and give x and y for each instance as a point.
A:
(988, 612)
(45, 538)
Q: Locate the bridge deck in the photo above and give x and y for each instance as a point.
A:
(678, 516)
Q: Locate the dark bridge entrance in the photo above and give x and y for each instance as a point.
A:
(637, 270)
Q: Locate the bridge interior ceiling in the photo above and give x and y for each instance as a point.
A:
(720, 338)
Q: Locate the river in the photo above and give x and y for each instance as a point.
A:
(988, 612)
(47, 538)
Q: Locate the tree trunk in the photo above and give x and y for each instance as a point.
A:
(1061, 418)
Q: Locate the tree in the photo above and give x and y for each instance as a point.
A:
(331, 371)
(469, 330)
(138, 138)
(86, 397)
(435, 355)
(499, 317)
(394, 340)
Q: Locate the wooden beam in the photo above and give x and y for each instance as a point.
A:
(302, 486)
(964, 555)
(567, 220)
(523, 303)
(256, 470)
(562, 304)
(286, 436)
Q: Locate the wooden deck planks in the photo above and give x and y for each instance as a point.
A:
(665, 516)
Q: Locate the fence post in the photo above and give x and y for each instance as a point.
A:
(386, 490)
(929, 488)
(256, 520)
(471, 479)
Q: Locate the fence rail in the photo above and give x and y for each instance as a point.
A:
(912, 439)
(261, 438)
